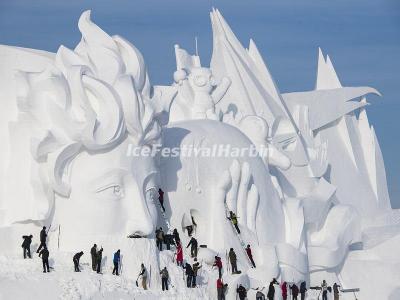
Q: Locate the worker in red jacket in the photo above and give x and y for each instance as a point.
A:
(179, 255)
(221, 288)
(250, 255)
(218, 264)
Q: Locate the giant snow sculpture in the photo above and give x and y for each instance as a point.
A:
(313, 204)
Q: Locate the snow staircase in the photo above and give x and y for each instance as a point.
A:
(242, 243)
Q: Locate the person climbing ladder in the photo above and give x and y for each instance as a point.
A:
(233, 218)
(161, 198)
(250, 255)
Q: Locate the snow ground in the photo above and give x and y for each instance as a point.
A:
(24, 279)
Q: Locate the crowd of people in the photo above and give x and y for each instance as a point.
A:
(290, 290)
(190, 270)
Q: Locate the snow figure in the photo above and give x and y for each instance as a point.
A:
(198, 90)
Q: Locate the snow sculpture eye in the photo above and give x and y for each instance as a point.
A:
(117, 190)
(113, 191)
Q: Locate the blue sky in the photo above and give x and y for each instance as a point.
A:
(361, 36)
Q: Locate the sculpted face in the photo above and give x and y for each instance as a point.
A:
(70, 124)
(105, 199)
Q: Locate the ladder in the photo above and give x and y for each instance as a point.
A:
(242, 243)
(163, 215)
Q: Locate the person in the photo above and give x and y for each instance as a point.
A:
(159, 238)
(44, 253)
(116, 260)
(218, 264)
(242, 292)
(271, 289)
(303, 290)
(284, 290)
(161, 198)
(250, 255)
(295, 291)
(26, 245)
(221, 287)
(169, 240)
(93, 253)
(76, 259)
(99, 257)
(176, 236)
(189, 229)
(324, 289)
(43, 236)
(143, 273)
(164, 279)
(260, 295)
(233, 218)
(179, 255)
(233, 260)
(196, 266)
(193, 247)
(189, 275)
(336, 291)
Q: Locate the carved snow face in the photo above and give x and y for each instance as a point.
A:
(106, 198)
(76, 116)
(201, 79)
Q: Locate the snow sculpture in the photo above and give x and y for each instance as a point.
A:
(198, 90)
(315, 201)
(197, 187)
(312, 201)
(76, 119)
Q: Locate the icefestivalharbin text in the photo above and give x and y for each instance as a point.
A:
(87, 141)
(221, 150)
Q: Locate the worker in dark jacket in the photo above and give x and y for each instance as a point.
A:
(26, 245)
(161, 198)
(93, 254)
(99, 257)
(76, 259)
(193, 247)
(43, 237)
(295, 291)
(159, 238)
(169, 240)
(242, 292)
(176, 236)
(189, 275)
(336, 293)
(196, 266)
(271, 289)
(303, 290)
(164, 279)
(44, 253)
(116, 260)
(233, 260)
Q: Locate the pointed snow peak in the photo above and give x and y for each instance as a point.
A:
(334, 77)
(264, 74)
(326, 74)
(252, 45)
(321, 58)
